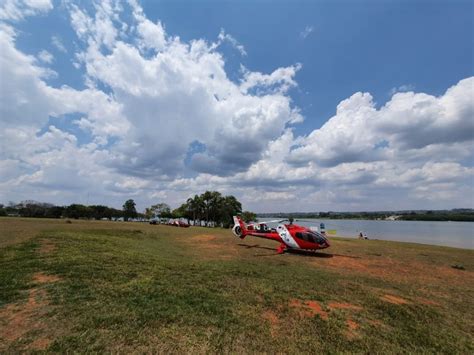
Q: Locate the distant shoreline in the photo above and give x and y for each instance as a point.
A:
(455, 215)
(369, 219)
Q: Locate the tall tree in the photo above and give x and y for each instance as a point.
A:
(161, 210)
(230, 207)
(248, 216)
(196, 205)
(211, 201)
(149, 213)
(182, 212)
(129, 210)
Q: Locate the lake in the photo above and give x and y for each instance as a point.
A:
(453, 234)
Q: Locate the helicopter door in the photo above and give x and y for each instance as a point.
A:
(286, 236)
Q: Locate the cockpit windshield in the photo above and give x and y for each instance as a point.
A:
(312, 237)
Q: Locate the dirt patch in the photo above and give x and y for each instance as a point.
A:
(41, 278)
(271, 317)
(40, 344)
(203, 238)
(308, 308)
(393, 269)
(394, 299)
(46, 247)
(353, 307)
(428, 302)
(16, 320)
(209, 246)
(273, 321)
(352, 327)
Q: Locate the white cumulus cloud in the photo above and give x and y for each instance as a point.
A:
(16, 10)
(45, 56)
(159, 118)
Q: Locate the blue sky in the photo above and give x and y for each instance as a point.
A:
(372, 46)
(308, 106)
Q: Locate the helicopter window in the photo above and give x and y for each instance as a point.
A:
(305, 236)
(311, 237)
(318, 238)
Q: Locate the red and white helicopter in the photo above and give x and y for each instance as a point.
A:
(290, 236)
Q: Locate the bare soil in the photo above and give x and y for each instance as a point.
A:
(308, 308)
(394, 299)
(41, 278)
(19, 319)
(273, 321)
(46, 247)
(336, 305)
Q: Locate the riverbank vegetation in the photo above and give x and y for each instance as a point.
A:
(98, 286)
(457, 214)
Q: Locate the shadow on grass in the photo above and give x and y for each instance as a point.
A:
(255, 246)
(307, 253)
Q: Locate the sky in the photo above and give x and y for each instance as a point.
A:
(287, 105)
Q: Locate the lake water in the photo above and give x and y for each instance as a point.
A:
(453, 234)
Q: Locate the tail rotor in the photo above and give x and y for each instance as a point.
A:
(239, 229)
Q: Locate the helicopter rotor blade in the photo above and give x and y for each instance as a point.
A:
(273, 221)
(305, 220)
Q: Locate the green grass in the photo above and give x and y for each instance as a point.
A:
(127, 287)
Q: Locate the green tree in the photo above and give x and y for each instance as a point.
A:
(182, 212)
(77, 211)
(211, 206)
(149, 213)
(211, 203)
(229, 207)
(100, 211)
(196, 207)
(248, 216)
(161, 210)
(129, 210)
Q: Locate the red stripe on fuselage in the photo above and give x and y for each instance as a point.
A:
(272, 235)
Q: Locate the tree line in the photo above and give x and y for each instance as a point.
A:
(209, 208)
(48, 210)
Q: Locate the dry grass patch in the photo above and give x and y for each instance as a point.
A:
(273, 321)
(212, 247)
(390, 269)
(394, 299)
(41, 278)
(308, 308)
(428, 302)
(46, 247)
(336, 305)
(20, 319)
(352, 327)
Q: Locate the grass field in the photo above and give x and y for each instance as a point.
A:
(131, 287)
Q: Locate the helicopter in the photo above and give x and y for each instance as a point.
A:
(290, 236)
